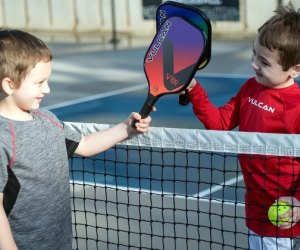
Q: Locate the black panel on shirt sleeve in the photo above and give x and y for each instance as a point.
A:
(71, 147)
(11, 191)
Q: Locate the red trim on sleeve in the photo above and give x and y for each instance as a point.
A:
(50, 119)
(13, 141)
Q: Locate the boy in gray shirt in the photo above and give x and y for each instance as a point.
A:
(35, 208)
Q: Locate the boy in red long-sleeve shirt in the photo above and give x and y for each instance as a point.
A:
(270, 103)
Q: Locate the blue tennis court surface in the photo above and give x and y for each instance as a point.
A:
(112, 109)
(154, 174)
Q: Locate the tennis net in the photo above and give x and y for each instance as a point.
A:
(167, 189)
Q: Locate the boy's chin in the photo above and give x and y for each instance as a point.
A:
(35, 106)
(259, 80)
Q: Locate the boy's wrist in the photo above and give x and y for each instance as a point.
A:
(195, 87)
(130, 129)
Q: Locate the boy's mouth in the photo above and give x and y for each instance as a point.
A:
(258, 74)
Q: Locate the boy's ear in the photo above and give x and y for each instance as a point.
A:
(7, 86)
(295, 71)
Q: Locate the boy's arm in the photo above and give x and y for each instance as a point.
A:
(100, 141)
(222, 118)
(6, 239)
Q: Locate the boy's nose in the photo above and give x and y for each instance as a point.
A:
(254, 63)
(46, 89)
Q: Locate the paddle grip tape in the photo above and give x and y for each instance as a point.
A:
(147, 107)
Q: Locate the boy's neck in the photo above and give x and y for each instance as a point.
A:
(14, 113)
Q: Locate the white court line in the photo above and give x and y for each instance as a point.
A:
(133, 189)
(220, 186)
(200, 195)
(120, 187)
(99, 96)
(134, 88)
(213, 75)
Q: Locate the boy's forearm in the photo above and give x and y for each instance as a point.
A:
(6, 238)
(100, 141)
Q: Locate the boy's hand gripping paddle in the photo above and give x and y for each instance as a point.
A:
(172, 59)
(197, 18)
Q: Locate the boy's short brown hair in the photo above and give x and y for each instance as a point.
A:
(282, 33)
(19, 53)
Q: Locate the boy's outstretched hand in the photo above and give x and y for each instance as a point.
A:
(141, 125)
(192, 84)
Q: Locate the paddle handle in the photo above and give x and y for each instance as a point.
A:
(184, 98)
(147, 107)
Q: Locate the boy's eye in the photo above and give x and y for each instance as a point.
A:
(40, 82)
(264, 62)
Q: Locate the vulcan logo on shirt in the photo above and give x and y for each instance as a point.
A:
(261, 105)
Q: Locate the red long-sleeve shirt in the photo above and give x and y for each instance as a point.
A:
(257, 108)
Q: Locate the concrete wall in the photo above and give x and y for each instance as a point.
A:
(84, 16)
(257, 12)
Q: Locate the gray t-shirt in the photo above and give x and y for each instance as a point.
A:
(34, 177)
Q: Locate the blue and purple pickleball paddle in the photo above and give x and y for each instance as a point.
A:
(172, 59)
(197, 18)
(194, 15)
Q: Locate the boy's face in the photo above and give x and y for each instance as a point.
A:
(267, 68)
(34, 87)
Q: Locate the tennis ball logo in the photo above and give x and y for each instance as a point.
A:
(277, 209)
